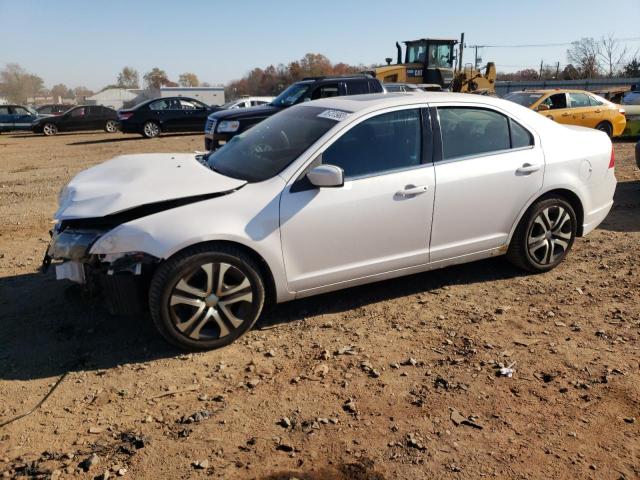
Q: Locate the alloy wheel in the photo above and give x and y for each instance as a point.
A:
(550, 235)
(151, 129)
(211, 301)
(111, 126)
(50, 129)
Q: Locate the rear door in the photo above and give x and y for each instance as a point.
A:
(582, 112)
(6, 118)
(94, 119)
(74, 120)
(488, 167)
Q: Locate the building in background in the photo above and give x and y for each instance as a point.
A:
(114, 98)
(209, 95)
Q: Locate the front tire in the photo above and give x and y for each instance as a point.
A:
(111, 126)
(544, 236)
(151, 129)
(49, 129)
(206, 297)
(606, 128)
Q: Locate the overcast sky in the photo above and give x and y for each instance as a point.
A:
(79, 42)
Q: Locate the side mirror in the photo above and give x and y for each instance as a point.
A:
(543, 107)
(326, 176)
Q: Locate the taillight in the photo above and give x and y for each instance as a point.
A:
(612, 161)
(125, 115)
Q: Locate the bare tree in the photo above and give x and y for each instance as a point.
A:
(128, 78)
(157, 78)
(17, 84)
(611, 54)
(584, 55)
(59, 90)
(188, 79)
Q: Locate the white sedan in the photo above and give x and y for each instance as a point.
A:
(326, 195)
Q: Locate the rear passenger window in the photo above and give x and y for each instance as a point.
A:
(357, 88)
(388, 142)
(4, 110)
(520, 136)
(330, 90)
(472, 131)
(578, 100)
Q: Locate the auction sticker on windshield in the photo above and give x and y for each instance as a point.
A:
(337, 115)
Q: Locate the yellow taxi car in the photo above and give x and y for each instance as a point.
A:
(574, 107)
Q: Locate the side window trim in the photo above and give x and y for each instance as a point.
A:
(438, 147)
(424, 140)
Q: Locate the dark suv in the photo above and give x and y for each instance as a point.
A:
(222, 126)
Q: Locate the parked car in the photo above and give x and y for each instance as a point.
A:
(53, 109)
(16, 117)
(81, 118)
(325, 195)
(574, 107)
(169, 114)
(246, 102)
(223, 125)
(412, 87)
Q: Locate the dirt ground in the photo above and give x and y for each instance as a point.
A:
(395, 380)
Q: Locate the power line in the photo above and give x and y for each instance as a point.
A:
(540, 45)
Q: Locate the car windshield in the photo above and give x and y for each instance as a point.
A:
(526, 99)
(291, 95)
(266, 149)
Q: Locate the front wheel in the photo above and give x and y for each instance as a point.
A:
(544, 236)
(111, 126)
(49, 129)
(150, 130)
(206, 297)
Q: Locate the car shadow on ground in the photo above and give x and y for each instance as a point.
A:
(625, 214)
(60, 134)
(48, 328)
(127, 139)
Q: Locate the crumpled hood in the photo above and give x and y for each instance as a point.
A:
(130, 181)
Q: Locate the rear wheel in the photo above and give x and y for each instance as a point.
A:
(49, 129)
(206, 297)
(150, 129)
(605, 127)
(544, 236)
(111, 126)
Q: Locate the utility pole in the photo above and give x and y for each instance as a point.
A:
(460, 50)
(541, 66)
(557, 70)
(475, 64)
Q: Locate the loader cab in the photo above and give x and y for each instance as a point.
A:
(436, 57)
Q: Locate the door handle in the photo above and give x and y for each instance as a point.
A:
(528, 168)
(598, 111)
(565, 114)
(411, 190)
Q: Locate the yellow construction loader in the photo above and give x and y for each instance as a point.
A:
(432, 61)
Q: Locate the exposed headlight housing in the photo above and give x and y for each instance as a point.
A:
(229, 126)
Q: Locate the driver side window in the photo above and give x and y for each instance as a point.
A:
(559, 100)
(385, 143)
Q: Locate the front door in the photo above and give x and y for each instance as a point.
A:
(558, 108)
(22, 118)
(379, 221)
(491, 166)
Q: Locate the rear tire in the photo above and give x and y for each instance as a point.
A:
(111, 126)
(49, 129)
(544, 236)
(606, 128)
(151, 129)
(206, 297)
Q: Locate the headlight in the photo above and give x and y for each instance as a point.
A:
(229, 126)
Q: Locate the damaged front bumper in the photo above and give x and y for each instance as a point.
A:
(121, 279)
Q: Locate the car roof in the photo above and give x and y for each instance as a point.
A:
(355, 103)
(553, 90)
